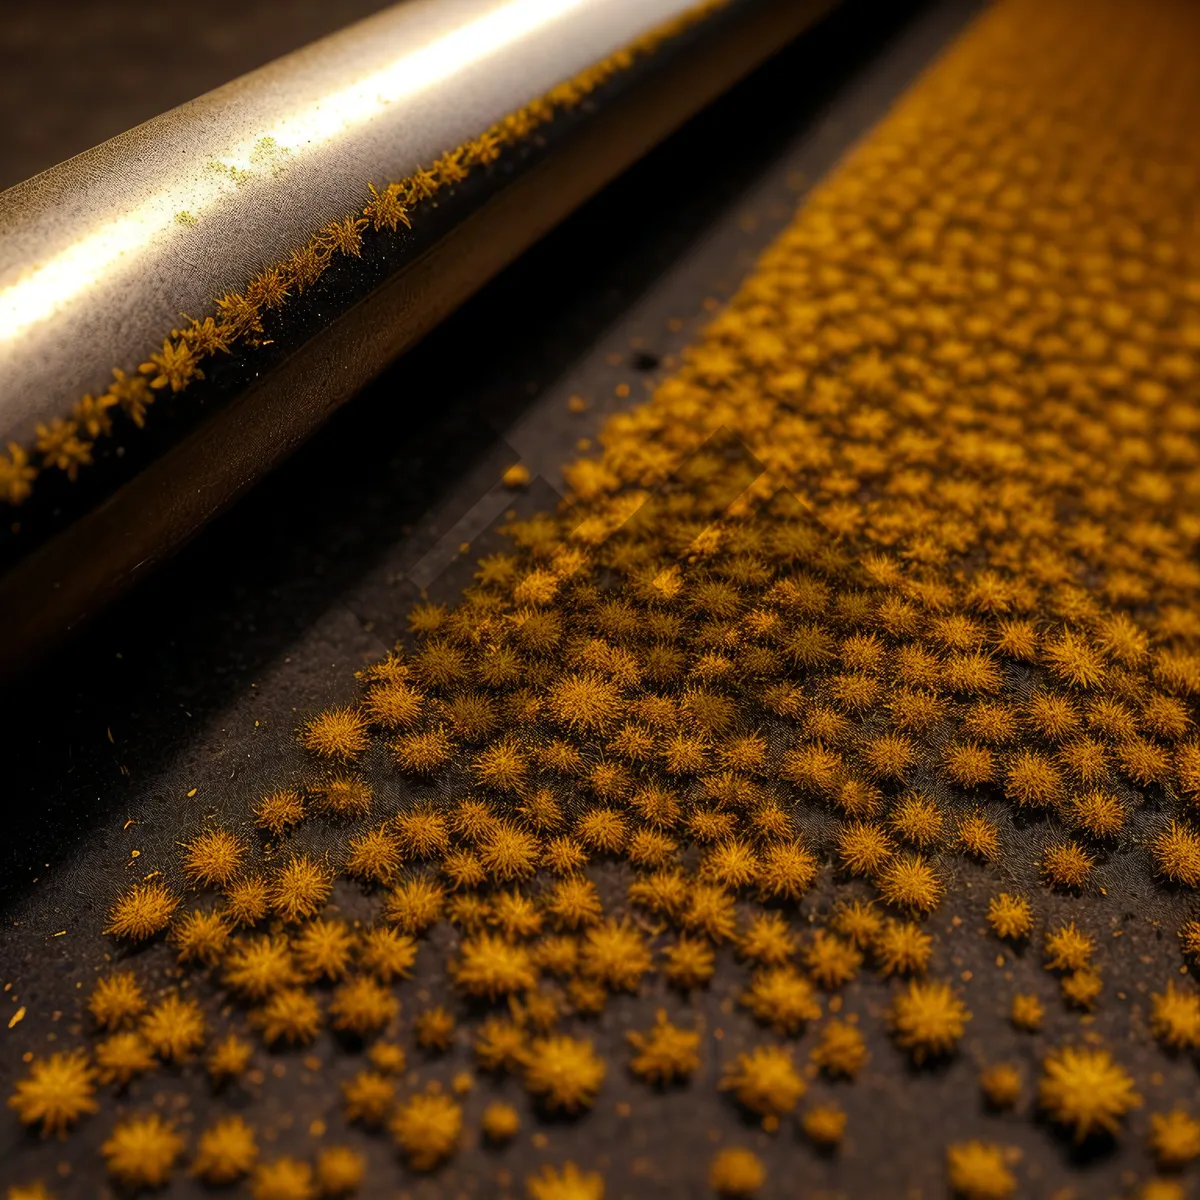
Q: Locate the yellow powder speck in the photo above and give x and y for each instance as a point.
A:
(517, 476)
(622, 390)
(317, 1128)
(539, 1141)
(17, 1017)
(577, 404)
(192, 792)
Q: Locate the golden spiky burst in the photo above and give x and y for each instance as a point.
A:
(1083, 1089)
(57, 1091)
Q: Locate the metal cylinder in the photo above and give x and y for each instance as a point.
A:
(103, 254)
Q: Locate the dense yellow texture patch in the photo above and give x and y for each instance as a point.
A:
(906, 547)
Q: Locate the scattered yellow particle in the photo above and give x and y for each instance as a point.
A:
(1026, 1012)
(282, 1179)
(1001, 1085)
(213, 857)
(564, 1073)
(764, 1081)
(141, 912)
(500, 1122)
(567, 1183)
(841, 1049)
(57, 1091)
(367, 1098)
(1175, 1017)
(664, 1054)
(824, 1124)
(1068, 949)
(225, 1151)
(141, 1151)
(1085, 1090)
(1010, 916)
(927, 1019)
(340, 1171)
(1174, 1138)
(174, 1027)
(736, 1172)
(427, 1127)
(122, 1056)
(978, 1171)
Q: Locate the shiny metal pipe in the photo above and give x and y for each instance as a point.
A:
(100, 256)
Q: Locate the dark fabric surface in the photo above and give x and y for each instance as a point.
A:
(182, 704)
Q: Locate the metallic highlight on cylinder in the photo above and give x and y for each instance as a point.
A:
(47, 289)
(104, 252)
(105, 488)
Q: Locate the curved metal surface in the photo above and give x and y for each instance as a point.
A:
(266, 413)
(100, 255)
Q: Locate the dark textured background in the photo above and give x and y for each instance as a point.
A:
(198, 681)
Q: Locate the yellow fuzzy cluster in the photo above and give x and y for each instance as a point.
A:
(904, 549)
